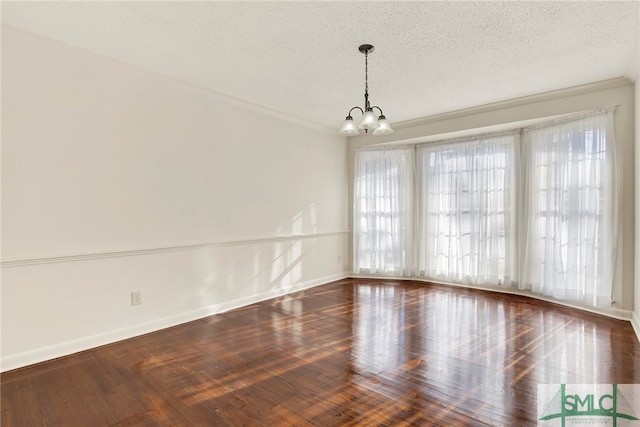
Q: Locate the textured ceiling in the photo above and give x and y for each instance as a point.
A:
(301, 58)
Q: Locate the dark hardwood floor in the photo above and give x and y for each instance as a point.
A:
(353, 352)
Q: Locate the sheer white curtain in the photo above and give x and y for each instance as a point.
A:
(489, 210)
(466, 217)
(570, 198)
(383, 212)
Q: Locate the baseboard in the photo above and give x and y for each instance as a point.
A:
(635, 322)
(614, 312)
(44, 354)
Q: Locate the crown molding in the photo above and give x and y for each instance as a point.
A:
(516, 102)
(220, 96)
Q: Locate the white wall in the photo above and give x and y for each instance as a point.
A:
(512, 114)
(115, 179)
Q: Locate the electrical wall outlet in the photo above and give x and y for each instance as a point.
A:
(136, 298)
(339, 260)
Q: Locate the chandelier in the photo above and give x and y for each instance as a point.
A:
(379, 124)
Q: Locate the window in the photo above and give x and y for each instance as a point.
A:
(571, 198)
(467, 225)
(488, 211)
(383, 212)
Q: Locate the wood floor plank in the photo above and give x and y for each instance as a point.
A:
(353, 352)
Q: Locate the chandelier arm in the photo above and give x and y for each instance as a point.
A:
(355, 108)
(379, 109)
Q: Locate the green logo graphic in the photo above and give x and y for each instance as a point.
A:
(563, 406)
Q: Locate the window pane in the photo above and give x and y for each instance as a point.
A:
(466, 192)
(571, 197)
(383, 211)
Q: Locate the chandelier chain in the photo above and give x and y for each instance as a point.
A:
(366, 72)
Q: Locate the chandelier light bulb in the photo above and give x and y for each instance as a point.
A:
(383, 127)
(369, 120)
(349, 127)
